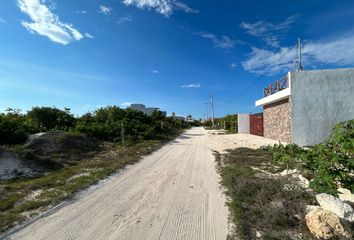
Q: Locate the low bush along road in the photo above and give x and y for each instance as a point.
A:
(173, 193)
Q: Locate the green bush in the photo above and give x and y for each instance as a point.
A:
(13, 127)
(285, 154)
(332, 162)
(51, 118)
(103, 124)
(108, 124)
(342, 137)
(329, 164)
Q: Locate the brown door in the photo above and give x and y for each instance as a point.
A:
(256, 124)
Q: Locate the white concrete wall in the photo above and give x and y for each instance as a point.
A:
(243, 123)
(320, 100)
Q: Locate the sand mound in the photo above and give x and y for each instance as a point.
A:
(57, 149)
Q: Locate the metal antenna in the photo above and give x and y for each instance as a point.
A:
(299, 66)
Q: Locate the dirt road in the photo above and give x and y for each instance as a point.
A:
(173, 193)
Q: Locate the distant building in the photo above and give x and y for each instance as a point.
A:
(180, 118)
(146, 110)
(189, 118)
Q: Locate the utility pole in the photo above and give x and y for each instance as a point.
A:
(212, 109)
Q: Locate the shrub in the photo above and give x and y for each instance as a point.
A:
(108, 124)
(330, 164)
(261, 203)
(13, 127)
(51, 118)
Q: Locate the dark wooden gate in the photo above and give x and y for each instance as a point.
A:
(256, 124)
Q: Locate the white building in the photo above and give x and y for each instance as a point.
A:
(189, 118)
(146, 110)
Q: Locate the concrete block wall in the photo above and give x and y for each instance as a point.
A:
(320, 100)
(277, 120)
(243, 121)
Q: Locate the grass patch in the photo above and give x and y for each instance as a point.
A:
(17, 202)
(271, 206)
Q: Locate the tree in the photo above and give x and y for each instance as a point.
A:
(51, 118)
(13, 128)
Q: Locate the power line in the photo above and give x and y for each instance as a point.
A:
(243, 91)
(261, 75)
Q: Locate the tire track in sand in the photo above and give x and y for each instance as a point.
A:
(171, 194)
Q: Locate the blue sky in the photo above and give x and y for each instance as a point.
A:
(171, 54)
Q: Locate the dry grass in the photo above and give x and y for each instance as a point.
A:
(17, 205)
(259, 203)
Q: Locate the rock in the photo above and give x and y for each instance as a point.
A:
(304, 182)
(327, 225)
(333, 204)
(310, 208)
(288, 172)
(258, 234)
(346, 195)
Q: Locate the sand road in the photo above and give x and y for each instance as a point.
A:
(173, 193)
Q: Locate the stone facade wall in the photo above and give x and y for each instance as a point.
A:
(277, 120)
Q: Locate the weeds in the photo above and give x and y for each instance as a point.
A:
(330, 164)
(56, 186)
(262, 204)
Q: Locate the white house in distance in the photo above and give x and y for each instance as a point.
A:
(146, 110)
(189, 118)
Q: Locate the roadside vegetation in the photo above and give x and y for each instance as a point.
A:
(330, 164)
(268, 196)
(72, 154)
(228, 123)
(262, 206)
(103, 124)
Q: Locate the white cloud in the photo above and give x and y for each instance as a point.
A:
(233, 65)
(184, 7)
(270, 33)
(262, 61)
(2, 20)
(126, 104)
(164, 7)
(105, 10)
(192, 85)
(87, 106)
(81, 12)
(155, 71)
(126, 18)
(222, 41)
(337, 52)
(46, 23)
(89, 35)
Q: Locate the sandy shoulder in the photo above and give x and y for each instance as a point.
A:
(173, 193)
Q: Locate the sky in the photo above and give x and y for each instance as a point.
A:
(171, 54)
